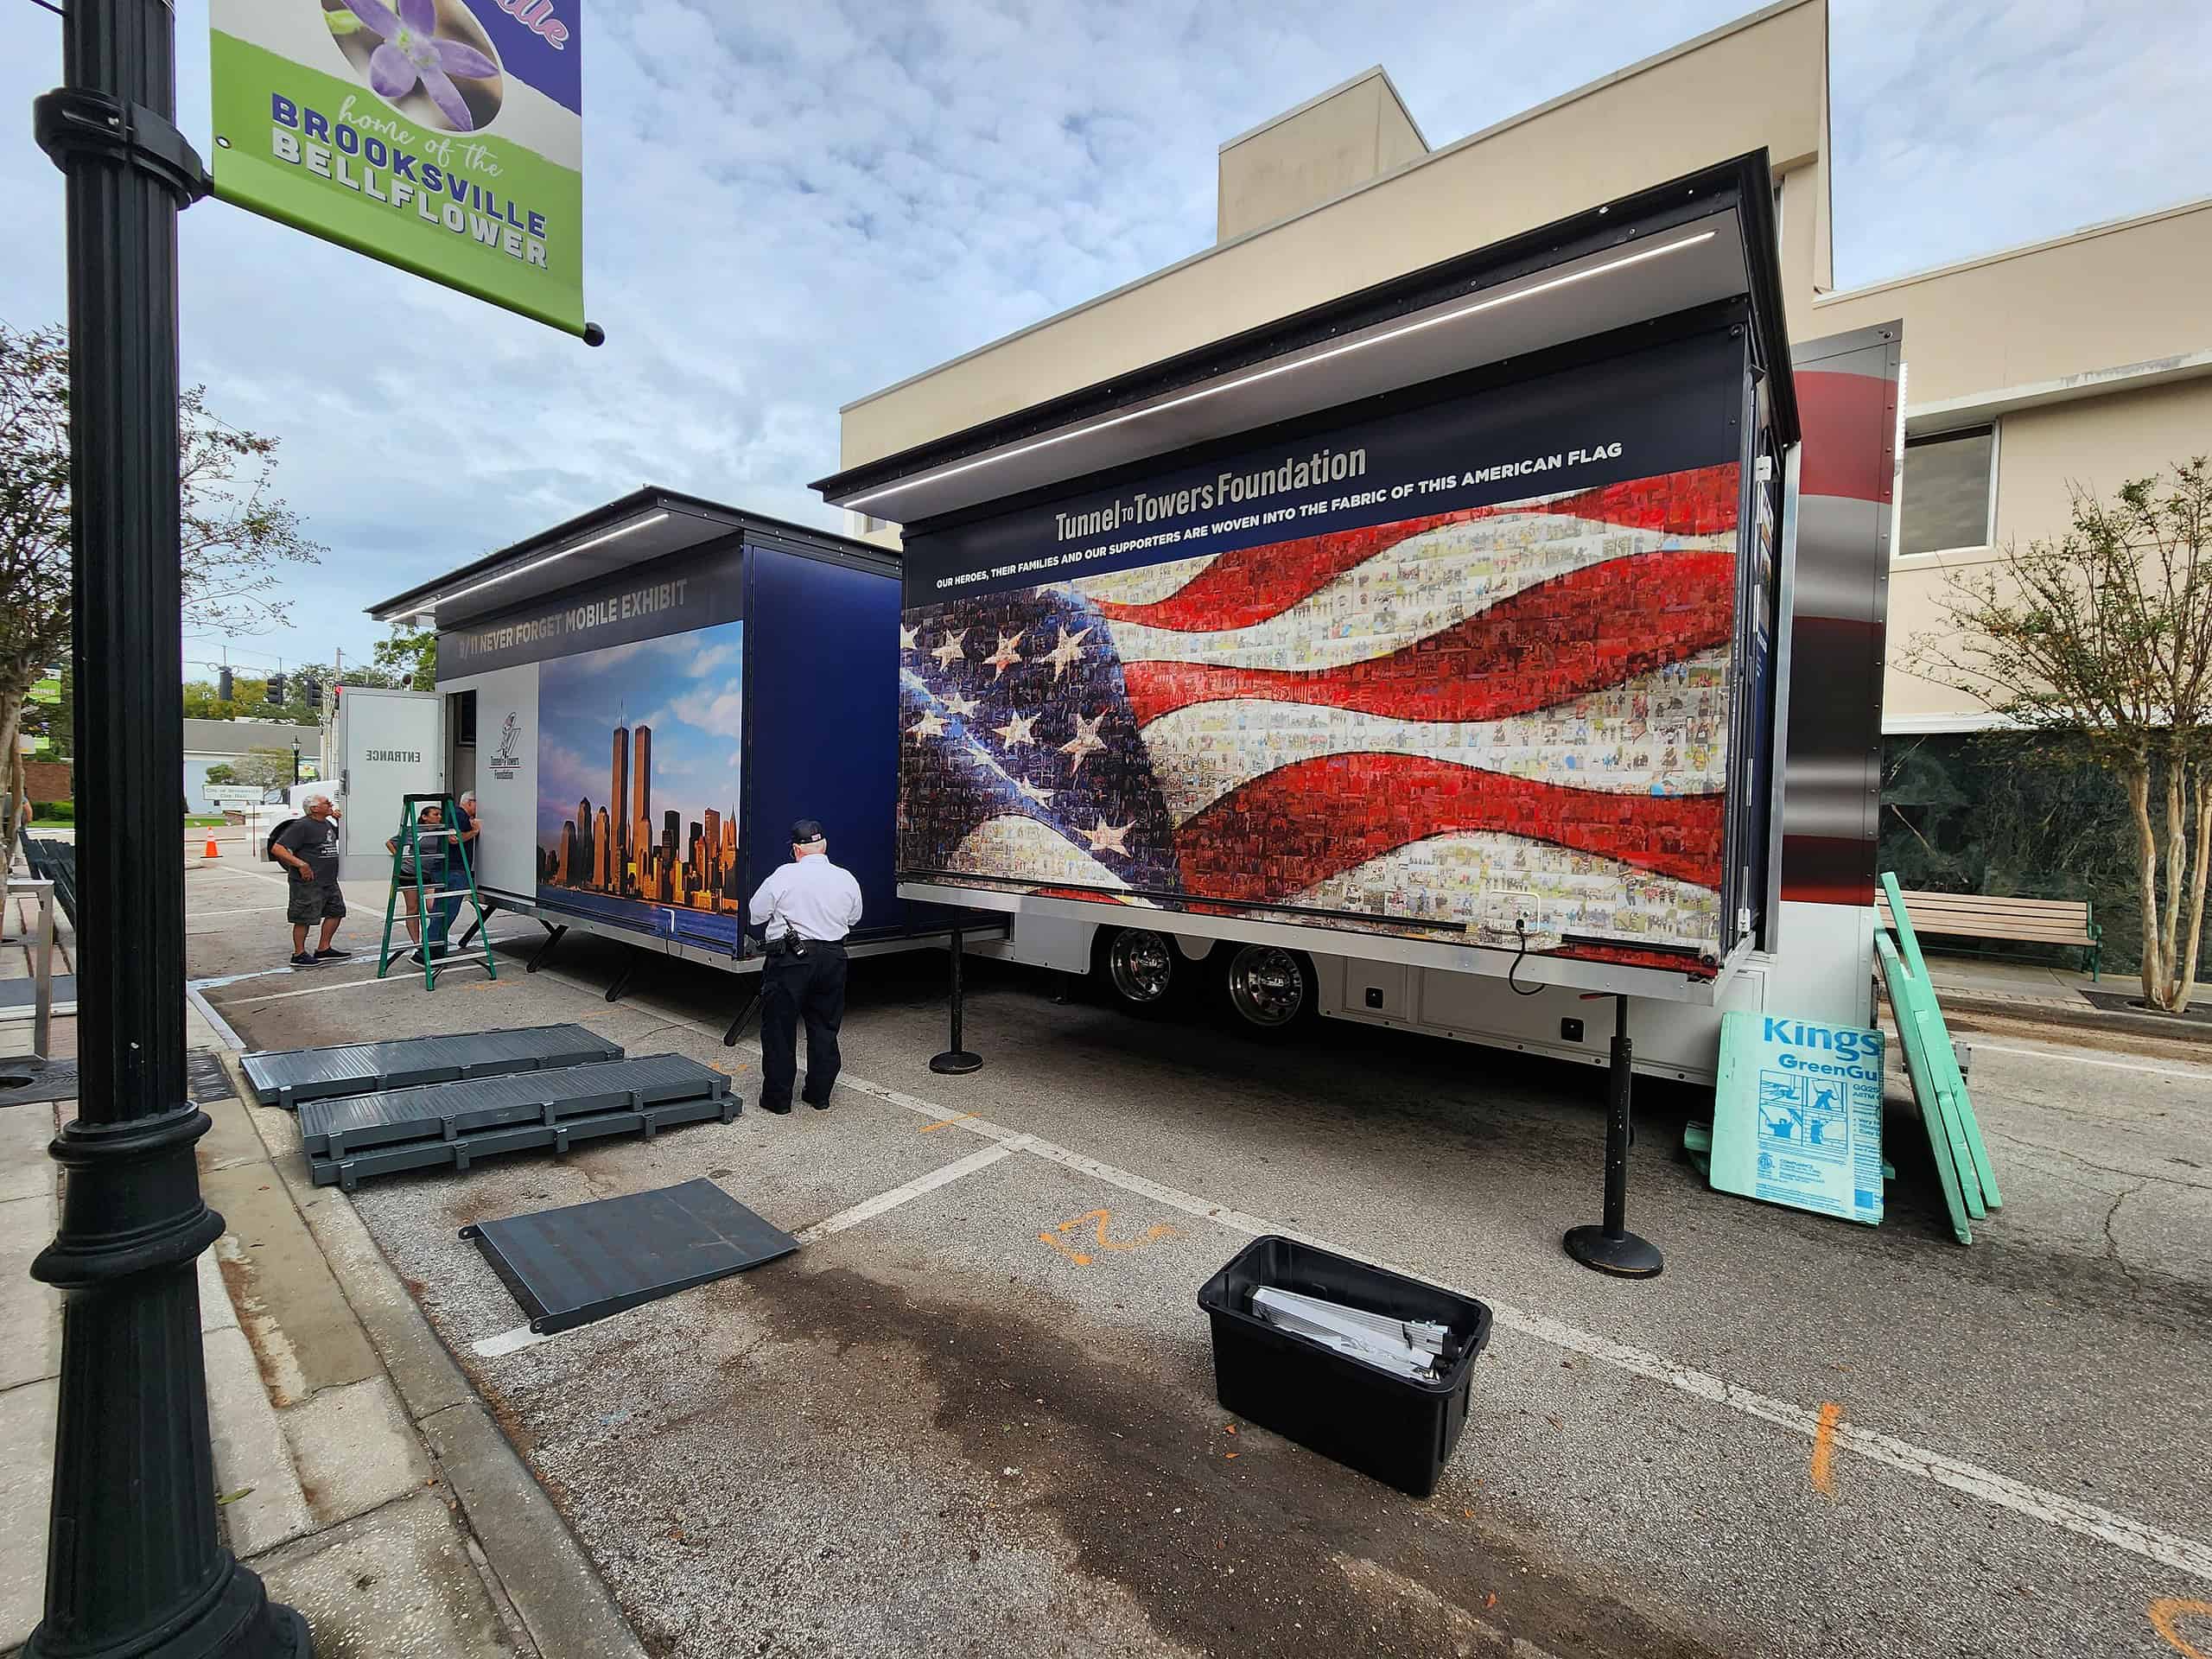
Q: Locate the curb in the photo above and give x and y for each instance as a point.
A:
(2084, 1018)
(535, 1561)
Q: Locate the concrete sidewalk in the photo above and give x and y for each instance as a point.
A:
(358, 1471)
(1997, 988)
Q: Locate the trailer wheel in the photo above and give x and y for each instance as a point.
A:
(1266, 989)
(1140, 968)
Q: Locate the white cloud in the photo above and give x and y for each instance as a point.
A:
(719, 712)
(713, 658)
(789, 208)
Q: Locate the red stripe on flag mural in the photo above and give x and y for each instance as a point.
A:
(1303, 823)
(1538, 647)
(1630, 955)
(1849, 422)
(1250, 584)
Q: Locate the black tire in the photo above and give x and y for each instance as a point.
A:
(1139, 971)
(1263, 990)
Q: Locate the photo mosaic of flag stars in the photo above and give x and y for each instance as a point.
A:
(1437, 724)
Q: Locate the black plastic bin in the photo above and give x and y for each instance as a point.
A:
(1399, 1429)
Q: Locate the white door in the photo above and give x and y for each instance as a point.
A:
(390, 745)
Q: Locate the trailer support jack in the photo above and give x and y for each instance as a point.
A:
(744, 1012)
(630, 959)
(1611, 1247)
(553, 936)
(490, 910)
(955, 1061)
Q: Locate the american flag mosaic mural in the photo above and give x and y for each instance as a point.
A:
(1432, 727)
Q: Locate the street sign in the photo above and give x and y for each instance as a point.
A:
(232, 795)
(444, 136)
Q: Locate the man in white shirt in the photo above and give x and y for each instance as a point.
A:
(807, 906)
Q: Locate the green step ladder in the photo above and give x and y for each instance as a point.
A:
(415, 841)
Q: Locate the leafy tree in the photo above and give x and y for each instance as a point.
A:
(223, 774)
(412, 660)
(264, 768)
(2101, 642)
(236, 531)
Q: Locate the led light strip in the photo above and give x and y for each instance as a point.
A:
(647, 523)
(1452, 316)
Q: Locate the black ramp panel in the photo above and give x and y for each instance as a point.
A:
(286, 1077)
(570, 1265)
(447, 1111)
(348, 1169)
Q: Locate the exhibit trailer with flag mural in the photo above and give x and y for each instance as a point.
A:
(1426, 657)
(644, 698)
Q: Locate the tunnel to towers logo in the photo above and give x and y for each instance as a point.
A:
(508, 755)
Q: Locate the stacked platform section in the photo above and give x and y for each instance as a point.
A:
(287, 1077)
(451, 1125)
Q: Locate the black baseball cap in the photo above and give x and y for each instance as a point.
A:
(805, 830)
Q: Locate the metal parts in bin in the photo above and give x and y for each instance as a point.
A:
(1402, 1347)
(1399, 1426)
(570, 1265)
(286, 1077)
(453, 1124)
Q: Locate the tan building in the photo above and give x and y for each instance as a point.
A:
(2085, 358)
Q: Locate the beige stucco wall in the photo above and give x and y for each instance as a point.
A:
(1760, 84)
(2130, 293)
(1313, 154)
(2098, 443)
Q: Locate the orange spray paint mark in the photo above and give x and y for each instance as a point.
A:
(1824, 1449)
(2165, 1615)
(946, 1122)
(1097, 1220)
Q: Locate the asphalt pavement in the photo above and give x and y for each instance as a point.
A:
(975, 1412)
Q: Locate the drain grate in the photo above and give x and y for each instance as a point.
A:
(205, 1080)
(41, 1080)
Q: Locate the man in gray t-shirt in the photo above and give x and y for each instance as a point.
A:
(308, 848)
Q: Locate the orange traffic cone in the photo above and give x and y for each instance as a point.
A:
(210, 852)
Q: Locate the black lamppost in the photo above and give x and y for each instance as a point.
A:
(134, 1563)
(296, 763)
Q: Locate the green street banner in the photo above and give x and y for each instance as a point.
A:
(444, 136)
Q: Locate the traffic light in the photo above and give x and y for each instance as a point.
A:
(274, 695)
(224, 685)
(311, 692)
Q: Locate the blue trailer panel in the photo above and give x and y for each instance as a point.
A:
(644, 698)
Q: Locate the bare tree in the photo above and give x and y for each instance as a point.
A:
(236, 530)
(2102, 640)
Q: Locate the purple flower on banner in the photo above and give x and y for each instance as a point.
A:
(413, 55)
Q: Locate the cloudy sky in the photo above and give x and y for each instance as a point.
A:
(787, 208)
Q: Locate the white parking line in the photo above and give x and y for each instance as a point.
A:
(870, 1208)
(2169, 1549)
(1979, 1047)
(521, 1336)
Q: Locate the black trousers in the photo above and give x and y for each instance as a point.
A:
(811, 988)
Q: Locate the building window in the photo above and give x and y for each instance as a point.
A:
(1949, 492)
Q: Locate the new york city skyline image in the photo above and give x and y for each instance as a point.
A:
(637, 779)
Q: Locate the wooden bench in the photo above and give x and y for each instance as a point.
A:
(2063, 922)
(55, 861)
